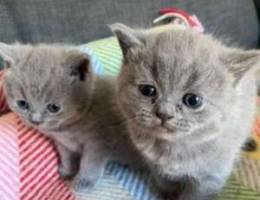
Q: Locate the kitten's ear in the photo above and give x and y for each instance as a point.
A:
(12, 54)
(5, 59)
(127, 37)
(79, 65)
(241, 62)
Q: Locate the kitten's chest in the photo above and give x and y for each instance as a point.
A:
(174, 159)
(71, 140)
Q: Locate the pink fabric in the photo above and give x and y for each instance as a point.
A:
(28, 161)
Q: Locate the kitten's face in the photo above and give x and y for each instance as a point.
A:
(49, 87)
(173, 84)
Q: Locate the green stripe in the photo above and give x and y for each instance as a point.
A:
(110, 58)
(109, 54)
(235, 191)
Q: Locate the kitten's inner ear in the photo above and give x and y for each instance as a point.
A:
(127, 37)
(79, 66)
(242, 62)
(5, 61)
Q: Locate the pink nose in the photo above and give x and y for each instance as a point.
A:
(163, 116)
(36, 118)
(35, 122)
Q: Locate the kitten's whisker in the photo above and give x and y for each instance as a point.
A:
(121, 123)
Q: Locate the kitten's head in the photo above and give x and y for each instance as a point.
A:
(49, 86)
(176, 82)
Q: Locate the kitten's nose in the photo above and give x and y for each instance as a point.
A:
(164, 116)
(36, 119)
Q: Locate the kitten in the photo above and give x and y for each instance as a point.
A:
(190, 102)
(54, 89)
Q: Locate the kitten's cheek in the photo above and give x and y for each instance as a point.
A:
(126, 108)
(148, 122)
(156, 122)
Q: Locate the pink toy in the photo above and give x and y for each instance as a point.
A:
(179, 17)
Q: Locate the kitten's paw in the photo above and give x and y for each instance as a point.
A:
(169, 196)
(65, 173)
(85, 184)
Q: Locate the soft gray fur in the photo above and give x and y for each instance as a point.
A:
(88, 124)
(190, 151)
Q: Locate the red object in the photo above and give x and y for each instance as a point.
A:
(181, 12)
(188, 20)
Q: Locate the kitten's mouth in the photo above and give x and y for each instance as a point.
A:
(163, 126)
(43, 128)
(167, 128)
(156, 125)
(30, 124)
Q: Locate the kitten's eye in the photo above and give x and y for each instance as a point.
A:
(147, 90)
(192, 100)
(53, 108)
(22, 104)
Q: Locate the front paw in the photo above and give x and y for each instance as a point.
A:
(85, 184)
(66, 173)
(169, 196)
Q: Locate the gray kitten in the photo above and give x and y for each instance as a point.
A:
(190, 102)
(54, 89)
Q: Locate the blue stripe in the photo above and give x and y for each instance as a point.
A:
(134, 189)
(109, 168)
(129, 181)
(96, 64)
(141, 188)
(135, 182)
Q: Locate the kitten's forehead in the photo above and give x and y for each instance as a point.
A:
(41, 71)
(42, 61)
(179, 59)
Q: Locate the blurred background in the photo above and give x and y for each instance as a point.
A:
(80, 21)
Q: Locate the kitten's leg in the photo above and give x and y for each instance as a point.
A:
(69, 162)
(206, 189)
(169, 188)
(126, 153)
(92, 166)
(207, 185)
(187, 188)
